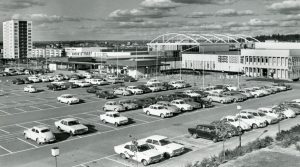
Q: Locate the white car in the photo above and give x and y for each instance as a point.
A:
(178, 84)
(191, 93)
(59, 77)
(251, 120)
(82, 83)
(44, 79)
(163, 144)
(182, 105)
(51, 78)
(30, 89)
(154, 88)
(135, 90)
(263, 91)
(270, 112)
(139, 151)
(34, 79)
(296, 100)
(113, 106)
(158, 110)
(87, 75)
(57, 82)
(232, 88)
(239, 124)
(286, 111)
(262, 116)
(255, 93)
(153, 81)
(68, 99)
(41, 134)
(113, 118)
(73, 80)
(71, 125)
(99, 82)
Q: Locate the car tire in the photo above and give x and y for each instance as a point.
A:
(182, 109)
(147, 112)
(104, 121)
(235, 100)
(144, 162)
(162, 115)
(222, 102)
(38, 142)
(116, 124)
(123, 156)
(239, 129)
(104, 109)
(254, 126)
(116, 110)
(255, 96)
(203, 106)
(71, 133)
(210, 100)
(194, 135)
(215, 140)
(59, 128)
(167, 155)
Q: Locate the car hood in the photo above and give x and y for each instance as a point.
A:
(78, 127)
(121, 118)
(151, 153)
(174, 146)
(48, 135)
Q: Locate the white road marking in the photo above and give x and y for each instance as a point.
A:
(21, 126)
(40, 123)
(50, 105)
(149, 116)
(5, 112)
(4, 131)
(6, 149)
(20, 110)
(15, 94)
(117, 161)
(82, 164)
(27, 142)
(36, 107)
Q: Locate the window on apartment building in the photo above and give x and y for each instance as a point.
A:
(250, 59)
(247, 60)
(254, 59)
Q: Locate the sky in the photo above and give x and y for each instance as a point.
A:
(55, 20)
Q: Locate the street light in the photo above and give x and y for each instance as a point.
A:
(239, 108)
(55, 153)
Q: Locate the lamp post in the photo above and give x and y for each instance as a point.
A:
(55, 153)
(239, 108)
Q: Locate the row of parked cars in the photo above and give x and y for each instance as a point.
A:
(246, 120)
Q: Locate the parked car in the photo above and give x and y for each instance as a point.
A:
(281, 87)
(41, 134)
(44, 79)
(93, 89)
(182, 105)
(163, 144)
(68, 99)
(71, 126)
(18, 81)
(260, 115)
(251, 120)
(169, 106)
(105, 94)
(27, 81)
(288, 112)
(167, 86)
(99, 82)
(294, 106)
(191, 102)
(139, 151)
(56, 87)
(237, 97)
(154, 87)
(128, 78)
(82, 83)
(153, 81)
(144, 88)
(30, 89)
(142, 103)
(219, 98)
(73, 80)
(178, 84)
(128, 104)
(246, 93)
(34, 79)
(158, 110)
(238, 123)
(230, 130)
(115, 80)
(191, 93)
(208, 132)
(135, 90)
(254, 93)
(113, 118)
(113, 106)
(270, 112)
(203, 102)
(122, 91)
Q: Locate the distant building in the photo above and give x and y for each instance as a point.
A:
(45, 52)
(17, 39)
(83, 51)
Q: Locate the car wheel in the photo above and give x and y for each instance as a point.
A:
(26, 136)
(71, 133)
(104, 121)
(69, 103)
(239, 129)
(116, 124)
(215, 140)
(203, 106)
(147, 112)
(167, 155)
(162, 115)
(123, 156)
(59, 128)
(145, 163)
(210, 100)
(194, 135)
(116, 110)
(229, 135)
(104, 109)
(254, 126)
(234, 100)
(267, 123)
(222, 101)
(182, 109)
(255, 96)
(38, 141)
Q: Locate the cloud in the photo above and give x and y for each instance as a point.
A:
(44, 18)
(20, 4)
(144, 24)
(232, 13)
(211, 27)
(159, 4)
(285, 7)
(198, 15)
(206, 2)
(261, 23)
(292, 17)
(289, 24)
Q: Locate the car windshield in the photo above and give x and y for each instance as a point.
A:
(181, 102)
(164, 142)
(142, 148)
(160, 107)
(116, 115)
(69, 96)
(45, 130)
(250, 117)
(255, 114)
(262, 114)
(71, 123)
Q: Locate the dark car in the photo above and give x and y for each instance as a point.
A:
(224, 126)
(27, 81)
(93, 89)
(144, 88)
(18, 81)
(288, 87)
(142, 103)
(56, 87)
(163, 98)
(167, 86)
(105, 94)
(204, 103)
(202, 93)
(211, 132)
(72, 85)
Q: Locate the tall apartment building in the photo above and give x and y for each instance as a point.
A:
(45, 52)
(17, 39)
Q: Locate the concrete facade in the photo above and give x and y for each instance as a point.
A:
(45, 52)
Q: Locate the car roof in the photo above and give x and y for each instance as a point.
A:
(156, 137)
(157, 105)
(41, 127)
(250, 110)
(66, 95)
(230, 117)
(69, 119)
(111, 102)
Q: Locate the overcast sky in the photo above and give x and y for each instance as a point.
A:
(146, 19)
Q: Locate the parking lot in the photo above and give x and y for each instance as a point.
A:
(20, 111)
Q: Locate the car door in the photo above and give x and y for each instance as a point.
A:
(152, 110)
(32, 134)
(109, 118)
(199, 131)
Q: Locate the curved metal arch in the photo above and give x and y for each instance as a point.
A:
(200, 36)
(175, 35)
(220, 39)
(229, 37)
(238, 37)
(247, 36)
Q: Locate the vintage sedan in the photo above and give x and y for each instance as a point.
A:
(191, 93)
(158, 110)
(41, 134)
(260, 115)
(82, 83)
(182, 105)
(219, 98)
(239, 124)
(236, 96)
(113, 118)
(105, 94)
(68, 99)
(113, 106)
(191, 102)
(71, 126)
(30, 89)
(163, 144)
(99, 82)
(128, 104)
(169, 106)
(144, 88)
(251, 120)
(122, 91)
(93, 89)
(135, 90)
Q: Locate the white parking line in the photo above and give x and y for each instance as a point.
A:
(5, 112)
(21, 126)
(15, 94)
(149, 116)
(6, 149)
(117, 161)
(40, 123)
(83, 164)
(50, 105)
(4, 131)
(94, 120)
(20, 109)
(36, 107)
(27, 142)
